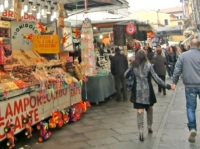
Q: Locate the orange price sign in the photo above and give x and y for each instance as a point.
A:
(46, 44)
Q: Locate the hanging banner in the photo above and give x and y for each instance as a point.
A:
(46, 44)
(26, 17)
(65, 34)
(19, 29)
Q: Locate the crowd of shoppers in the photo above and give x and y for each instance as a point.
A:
(149, 63)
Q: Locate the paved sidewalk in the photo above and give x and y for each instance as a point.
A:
(174, 134)
(112, 125)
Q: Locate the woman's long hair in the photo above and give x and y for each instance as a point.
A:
(140, 59)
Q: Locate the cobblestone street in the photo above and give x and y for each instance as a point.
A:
(112, 125)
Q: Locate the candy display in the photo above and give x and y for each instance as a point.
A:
(9, 131)
(56, 120)
(34, 89)
(87, 48)
(79, 70)
(44, 131)
(103, 66)
(27, 122)
(65, 115)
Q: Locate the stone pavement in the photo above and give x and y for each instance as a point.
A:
(112, 125)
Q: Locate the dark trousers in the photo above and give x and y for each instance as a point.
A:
(168, 71)
(160, 88)
(120, 81)
(171, 69)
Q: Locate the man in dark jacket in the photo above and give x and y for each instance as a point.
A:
(160, 62)
(119, 65)
(188, 65)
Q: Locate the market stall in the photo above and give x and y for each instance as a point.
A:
(34, 87)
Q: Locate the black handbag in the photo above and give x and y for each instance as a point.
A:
(130, 76)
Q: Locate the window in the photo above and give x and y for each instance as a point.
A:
(180, 23)
(181, 17)
(166, 21)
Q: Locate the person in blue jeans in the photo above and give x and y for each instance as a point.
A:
(188, 65)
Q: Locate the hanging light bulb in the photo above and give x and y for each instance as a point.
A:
(101, 36)
(42, 7)
(55, 11)
(1, 8)
(38, 16)
(12, 5)
(54, 14)
(38, 13)
(52, 18)
(30, 9)
(22, 13)
(25, 6)
(49, 9)
(45, 12)
(34, 6)
(6, 3)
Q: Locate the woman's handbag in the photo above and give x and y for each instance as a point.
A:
(130, 76)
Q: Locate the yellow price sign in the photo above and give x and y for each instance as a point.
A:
(46, 44)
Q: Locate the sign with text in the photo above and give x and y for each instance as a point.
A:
(46, 44)
(4, 24)
(39, 108)
(19, 29)
(26, 17)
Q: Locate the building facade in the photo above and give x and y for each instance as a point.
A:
(192, 13)
(161, 18)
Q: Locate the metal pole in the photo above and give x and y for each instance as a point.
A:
(157, 18)
(198, 10)
(193, 12)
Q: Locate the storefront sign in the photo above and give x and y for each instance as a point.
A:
(26, 17)
(46, 44)
(19, 29)
(22, 26)
(15, 109)
(4, 24)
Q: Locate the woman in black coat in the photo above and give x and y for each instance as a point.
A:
(143, 96)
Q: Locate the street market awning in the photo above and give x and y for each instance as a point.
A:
(72, 5)
(168, 31)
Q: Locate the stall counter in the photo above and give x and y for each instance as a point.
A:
(97, 88)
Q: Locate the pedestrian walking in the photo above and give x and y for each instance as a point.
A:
(150, 52)
(119, 64)
(172, 59)
(188, 65)
(160, 62)
(142, 95)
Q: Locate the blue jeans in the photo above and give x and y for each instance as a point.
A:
(191, 105)
(171, 70)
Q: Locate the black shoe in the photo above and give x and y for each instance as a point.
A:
(118, 100)
(150, 130)
(141, 137)
(164, 93)
(125, 100)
